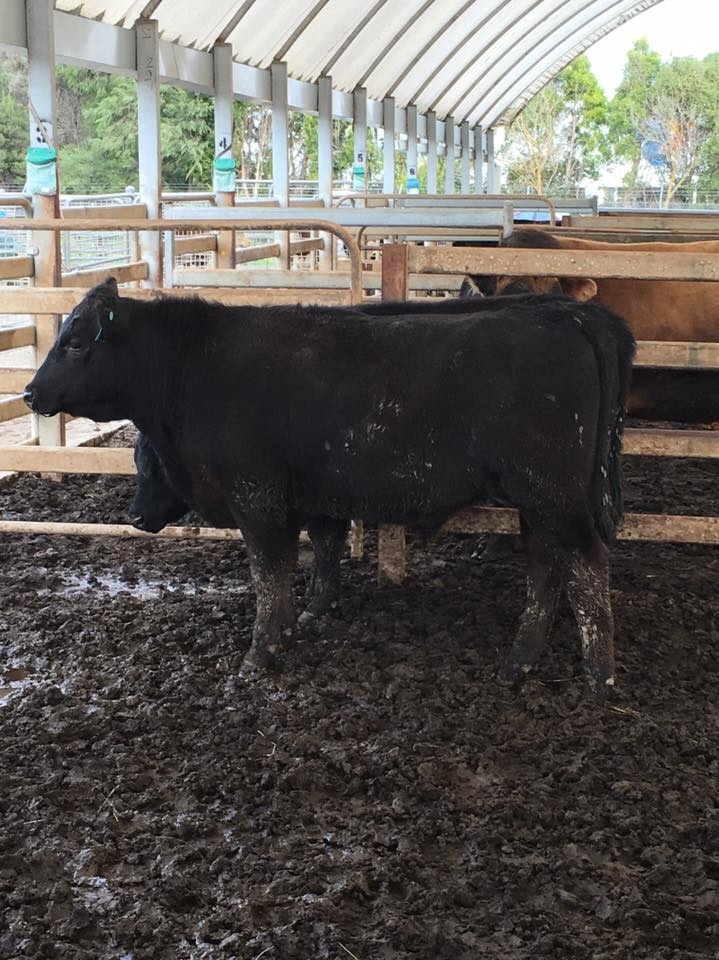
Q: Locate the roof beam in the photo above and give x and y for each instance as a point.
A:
(233, 21)
(434, 39)
(387, 49)
(504, 94)
(478, 56)
(455, 50)
(314, 11)
(328, 64)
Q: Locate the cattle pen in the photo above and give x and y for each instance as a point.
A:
(387, 793)
(405, 267)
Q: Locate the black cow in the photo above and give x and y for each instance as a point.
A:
(284, 416)
(155, 503)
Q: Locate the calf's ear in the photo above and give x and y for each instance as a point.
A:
(108, 290)
(579, 288)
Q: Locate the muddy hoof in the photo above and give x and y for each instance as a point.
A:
(602, 690)
(512, 674)
(259, 661)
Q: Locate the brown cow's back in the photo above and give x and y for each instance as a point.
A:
(659, 309)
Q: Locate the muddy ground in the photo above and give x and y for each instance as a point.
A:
(384, 798)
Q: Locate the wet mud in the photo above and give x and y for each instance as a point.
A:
(384, 797)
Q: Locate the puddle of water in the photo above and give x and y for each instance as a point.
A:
(8, 692)
(15, 673)
(111, 585)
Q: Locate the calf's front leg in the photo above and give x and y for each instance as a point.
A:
(272, 550)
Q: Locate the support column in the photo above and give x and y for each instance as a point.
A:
(412, 172)
(464, 143)
(391, 561)
(224, 173)
(359, 127)
(324, 161)
(148, 141)
(449, 155)
(45, 205)
(431, 152)
(492, 171)
(388, 124)
(280, 149)
(478, 160)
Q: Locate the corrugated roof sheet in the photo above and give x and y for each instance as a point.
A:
(476, 60)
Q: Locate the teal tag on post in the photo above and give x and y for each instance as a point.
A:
(41, 170)
(223, 175)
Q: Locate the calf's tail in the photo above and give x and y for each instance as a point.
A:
(614, 348)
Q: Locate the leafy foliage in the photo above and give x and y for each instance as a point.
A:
(560, 136)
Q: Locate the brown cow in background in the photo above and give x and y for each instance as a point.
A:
(653, 309)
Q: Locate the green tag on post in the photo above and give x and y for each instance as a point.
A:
(223, 179)
(41, 170)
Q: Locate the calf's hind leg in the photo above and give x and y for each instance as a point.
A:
(588, 592)
(328, 537)
(543, 588)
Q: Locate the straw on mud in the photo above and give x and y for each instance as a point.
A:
(348, 952)
(107, 800)
(626, 711)
(274, 745)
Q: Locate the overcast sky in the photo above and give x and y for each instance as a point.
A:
(676, 28)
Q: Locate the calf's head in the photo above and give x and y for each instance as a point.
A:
(81, 374)
(155, 504)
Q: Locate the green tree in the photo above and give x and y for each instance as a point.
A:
(629, 108)
(681, 120)
(560, 136)
(13, 123)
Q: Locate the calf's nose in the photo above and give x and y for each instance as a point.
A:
(29, 397)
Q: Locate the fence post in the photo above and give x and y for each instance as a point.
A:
(391, 561)
(148, 141)
(45, 205)
(224, 197)
(50, 432)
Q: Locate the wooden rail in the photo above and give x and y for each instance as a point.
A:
(13, 407)
(128, 212)
(637, 265)
(475, 520)
(119, 460)
(123, 273)
(14, 379)
(20, 336)
(16, 268)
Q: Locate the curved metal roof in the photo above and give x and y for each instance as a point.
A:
(475, 60)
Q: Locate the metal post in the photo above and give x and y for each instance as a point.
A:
(478, 160)
(359, 126)
(148, 141)
(411, 145)
(492, 170)
(222, 58)
(464, 143)
(45, 206)
(280, 149)
(431, 152)
(449, 155)
(324, 161)
(388, 124)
